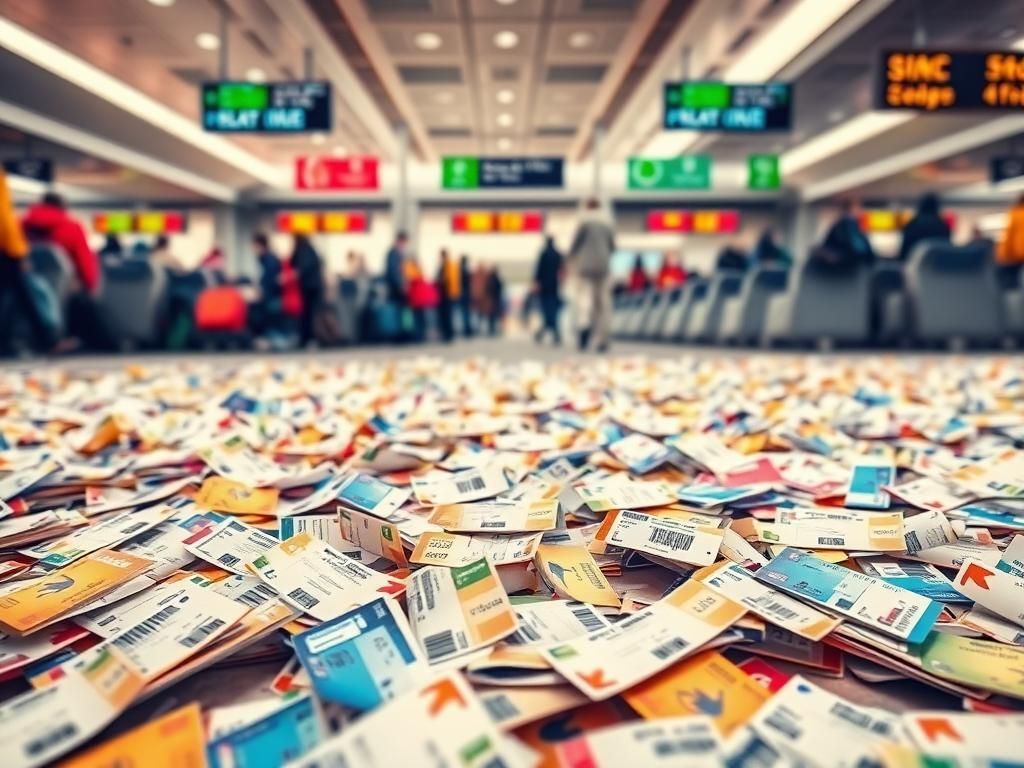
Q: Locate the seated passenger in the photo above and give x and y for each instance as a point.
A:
(731, 259)
(768, 253)
(111, 248)
(927, 224)
(845, 244)
(638, 279)
(1011, 246)
(671, 274)
(49, 222)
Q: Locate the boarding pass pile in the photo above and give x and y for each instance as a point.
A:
(621, 562)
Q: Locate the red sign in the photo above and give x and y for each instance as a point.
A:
(504, 222)
(331, 222)
(698, 222)
(333, 173)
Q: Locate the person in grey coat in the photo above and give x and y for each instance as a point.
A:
(590, 258)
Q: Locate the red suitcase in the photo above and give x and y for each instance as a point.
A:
(221, 308)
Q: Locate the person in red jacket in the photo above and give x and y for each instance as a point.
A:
(672, 273)
(49, 222)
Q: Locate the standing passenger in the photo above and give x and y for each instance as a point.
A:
(466, 296)
(308, 268)
(927, 224)
(546, 281)
(590, 258)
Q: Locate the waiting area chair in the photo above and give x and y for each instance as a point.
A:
(743, 314)
(705, 316)
(133, 300)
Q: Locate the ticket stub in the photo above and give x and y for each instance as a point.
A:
(708, 451)
(603, 664)
(452, 729)
(362, 658)
(373, 534)
(928, 530)
(554, 621)
(739, 585)
(968, 739)
(439, 488)
(314, 577)
(497, 516)
(571, 571)
(1000, 476)
(230, 545)
(1012, 560)
(993, 589)
(919, 578)
(662, 536)
(368, 494)
(868, 479)
(931, 493)
(642, 454)
(710, 495)
(690, 741)
(977, 663)
(14, 484)
(871, 533)
(179, 733)
(457, 610)
(864, 599)
(602, 496)
(453, 549)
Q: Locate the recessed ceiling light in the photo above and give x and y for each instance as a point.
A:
(506, 39)
(444, 97)
(504, 144)
(428, 41)
(506, 2)
(318, 138)
(162, 3)
(208, 41)
(505, 96)
(255, 75)
(581, 40)
(505, 120)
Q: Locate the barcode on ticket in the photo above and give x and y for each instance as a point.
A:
(672, 539)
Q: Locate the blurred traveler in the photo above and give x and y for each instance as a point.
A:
(161, 256)
(845, 245)
(731, 259)
(422, 297)
(466, 295)
(768, 253)
(927, 224)
(638, 278)
(1011, 246)
(546, 280)
(309, 275)
(394, 270)
(590, 258)
(48, 221)
(478, 292)
(449, 283)
(495, 301)
(111, 247)
(16, 297)
(280, 303)
(671, 274)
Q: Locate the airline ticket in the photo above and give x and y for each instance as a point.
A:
(498, 516)
(603, 664)
(993, 589)
(553, 621)
(230, 545)
(662, 536)
(475, 484)
(602, 496)
(573, 574)
(373, 535)
(642, 454)
(180, 736)
(453, 549)
(881, 532)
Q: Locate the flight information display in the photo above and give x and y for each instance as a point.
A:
(468, 172)
(145, 222)
(327, 222)
(712, 106)
(723, 222)
(289, 107)
(939, 80)
(497, 222)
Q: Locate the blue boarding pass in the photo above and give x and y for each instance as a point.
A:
(361, 658)
(883, 607)
(280, 736)
(920, 578)
(867, 483)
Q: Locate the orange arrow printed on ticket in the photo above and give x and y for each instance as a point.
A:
(993, 589)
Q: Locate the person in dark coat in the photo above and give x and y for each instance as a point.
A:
(394, 270)
(308, 268)
(546, 281)
(466, 295)
(927, 224)
(768, 253)
(845, 244)
(495, 300)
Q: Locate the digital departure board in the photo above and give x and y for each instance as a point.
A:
(243, 107)
(497, 222)
(327, 222)
(696, 222)
(933, 80)
(145, 222)
(713, 106)
(468, 172)
(886, 220)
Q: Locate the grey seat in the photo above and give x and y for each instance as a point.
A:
(693, 291)
(888, 297)
(655, 315)
(636, 320)
(954, 294)
(1011, 283)
(702, 325)
(743, 314)
(623, 315)
(132, 302)
(656, 326)
(54, 266)
(823, 304)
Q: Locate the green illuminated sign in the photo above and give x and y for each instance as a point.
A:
(460, 172)
(763, 172)
(684, 172)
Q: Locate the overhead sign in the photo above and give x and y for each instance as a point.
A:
(336, 173)
(763, 172)
(696, 222)
(1003, 168)
(31, 168)
(145, 222)
(886, 220)
(941, 80)
(683, 172)
(465, 172)
(327, 222)
(713, 106)
(243, 107)
(497, 222)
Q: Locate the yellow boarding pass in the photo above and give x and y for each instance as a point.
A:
(574, 574)
(497, 516)
(453, 549)
(223, 495)
(870, 533)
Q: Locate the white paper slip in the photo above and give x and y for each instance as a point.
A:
(708, 451)
(454, 611)
(440, 723)
(674, 742)
(996, 477)
(602, 496)
(739, 550)
(247, 590)
(813, 727)
(1012, 560)
(640, 453)
(499, 516)
(880, 532)
(955, 555)
(325, 492)
(739, 585)
(995, 590)
(230, 545)
(988, 740)
(314, 577)
(483, 483)
(663, 536)
(931, 493)
(868, 479)
(605, 663)
(108, 620)
(15, 483)
(555, 621)
(874, 603)
(929, 529)
(368, 494)
(454, 549)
